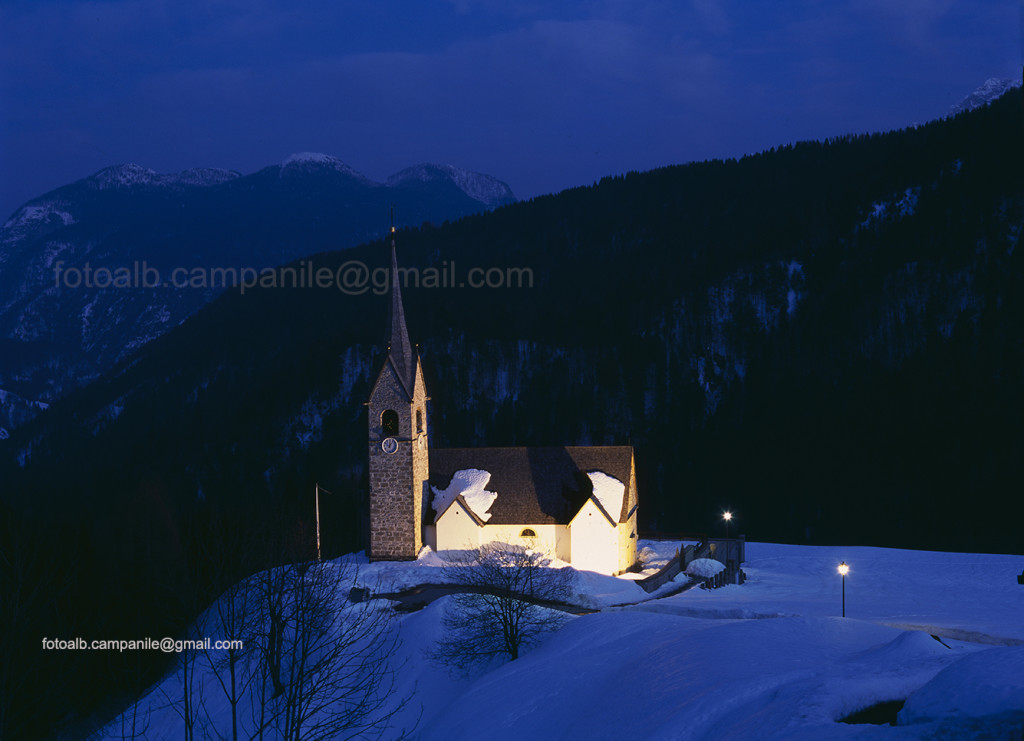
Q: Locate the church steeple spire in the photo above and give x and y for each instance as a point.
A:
(400, 353)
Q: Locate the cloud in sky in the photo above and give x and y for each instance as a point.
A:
(543, 95)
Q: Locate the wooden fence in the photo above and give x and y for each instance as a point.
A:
(730, 552)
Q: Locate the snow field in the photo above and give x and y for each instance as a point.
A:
(767, 660)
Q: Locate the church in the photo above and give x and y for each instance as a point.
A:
(578, 504)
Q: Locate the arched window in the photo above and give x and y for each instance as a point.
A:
(419, 421)
(389, 421)
(527, 533)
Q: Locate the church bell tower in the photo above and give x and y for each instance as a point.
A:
(397, 443)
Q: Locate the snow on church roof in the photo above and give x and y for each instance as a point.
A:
(608, 491)
(470, 483)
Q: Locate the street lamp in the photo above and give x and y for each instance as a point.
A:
(727, 516)
(844, 569)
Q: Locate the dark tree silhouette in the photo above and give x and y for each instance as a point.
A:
(508, 604)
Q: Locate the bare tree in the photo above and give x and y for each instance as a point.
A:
(134, 722)
(232, 617)
(189, 699)
(132, 726)
(310, 664)
(327, 665)
(511, 596)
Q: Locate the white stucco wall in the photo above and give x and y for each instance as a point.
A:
(457, 530)
(595, 541)
(563, 542)
(628, 534)
(551, 539)
(627, 544)
(590, 542)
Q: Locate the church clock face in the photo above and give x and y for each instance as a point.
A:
(389, 445)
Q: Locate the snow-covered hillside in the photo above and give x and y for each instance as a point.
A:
(770, 659)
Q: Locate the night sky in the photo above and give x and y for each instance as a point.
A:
(543, 95)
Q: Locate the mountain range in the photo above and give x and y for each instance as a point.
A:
(64, 319)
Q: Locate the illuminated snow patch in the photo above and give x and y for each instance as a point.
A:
(608, 491)
(470, 484)
(705, 567)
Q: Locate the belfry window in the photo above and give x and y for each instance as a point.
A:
(419, 421)
(389, 422)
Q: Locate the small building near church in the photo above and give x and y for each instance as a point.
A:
(576, 503)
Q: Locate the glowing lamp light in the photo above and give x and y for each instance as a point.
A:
(844, 568)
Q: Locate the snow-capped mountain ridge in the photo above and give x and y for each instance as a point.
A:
(130, 174)
(201, 176)
(307, 160)
(122, 175)
(47, 210)
(991, 89)
(484, 188)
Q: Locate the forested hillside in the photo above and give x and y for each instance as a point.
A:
(825, 338)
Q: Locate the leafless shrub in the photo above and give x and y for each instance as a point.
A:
(510, 599)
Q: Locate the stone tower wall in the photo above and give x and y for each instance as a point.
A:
(394, 530)
(399, 488)
(420, 461)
